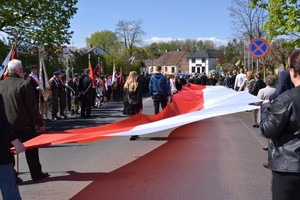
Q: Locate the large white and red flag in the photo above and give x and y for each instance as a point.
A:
(193, 103)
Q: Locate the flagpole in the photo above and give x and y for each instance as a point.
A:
(66, 52)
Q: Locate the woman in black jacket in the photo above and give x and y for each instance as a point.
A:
(280, 123)
(132, 96)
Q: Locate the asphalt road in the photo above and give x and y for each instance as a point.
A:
(218, 158)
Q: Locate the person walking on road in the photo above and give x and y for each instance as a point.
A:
(8, 184)
(280, 123)
(22, 113)
(159, 89)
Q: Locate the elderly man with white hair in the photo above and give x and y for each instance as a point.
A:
(21, 109)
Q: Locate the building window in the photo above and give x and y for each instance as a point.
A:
(193, 69)
(198, 69)
(193, 60)
(203, 70)
(173, 70)
(166, 69)
(203, 60)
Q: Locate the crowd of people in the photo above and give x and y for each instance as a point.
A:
(24, 107)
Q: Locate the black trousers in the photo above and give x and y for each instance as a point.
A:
(32, 155)
(86, 105)
(285, 185)
(159, 100)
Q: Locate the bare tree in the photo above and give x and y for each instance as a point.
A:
(247, 22)
(130, 33)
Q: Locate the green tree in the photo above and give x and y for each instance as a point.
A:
(152, 51)
(283, 18)
(233, 53)
(38, 22)
(107, 40)
(200, 45)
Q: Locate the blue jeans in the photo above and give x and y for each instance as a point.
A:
(8, 184)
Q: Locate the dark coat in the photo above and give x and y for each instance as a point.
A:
(85, 85)
(131, 108)
(6, 136)
(258, 84)
(280, 123)
(284, 83)
(20, 104)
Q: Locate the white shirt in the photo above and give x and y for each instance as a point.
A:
(239, 80)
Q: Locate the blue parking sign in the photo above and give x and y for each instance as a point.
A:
(258, 47)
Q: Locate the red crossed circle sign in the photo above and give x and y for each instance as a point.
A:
(258, 47)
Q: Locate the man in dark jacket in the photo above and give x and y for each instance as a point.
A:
(22, 112)
(8, 185)
(284, 83)
(85, 94)
(280, 123)
(159, 89)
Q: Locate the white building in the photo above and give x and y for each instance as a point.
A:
(204, 61)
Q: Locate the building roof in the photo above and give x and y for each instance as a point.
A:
(96, 50)
(172, 58)
(209, 53)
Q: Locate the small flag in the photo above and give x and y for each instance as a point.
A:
(96, 70)
(113, 78)
(131, 59)
(12, 54)
(91, 75)
(44, 80)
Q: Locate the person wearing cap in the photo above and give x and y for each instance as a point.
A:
(54, 88)
(62, 94)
